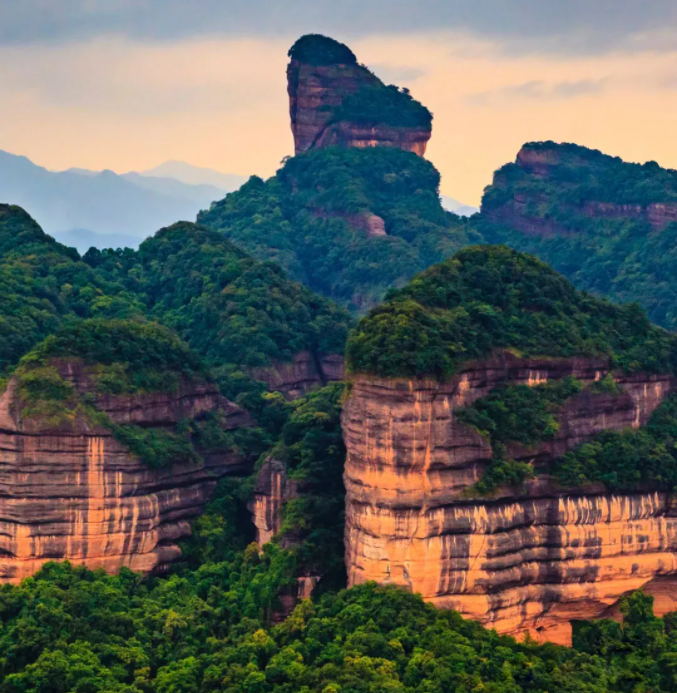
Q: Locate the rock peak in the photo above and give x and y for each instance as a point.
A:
(335, 101)
(316, 49)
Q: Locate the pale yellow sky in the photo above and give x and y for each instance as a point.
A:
(113, 103)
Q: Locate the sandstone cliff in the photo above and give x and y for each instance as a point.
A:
(321, 75)
(523, 561)
(70, 490)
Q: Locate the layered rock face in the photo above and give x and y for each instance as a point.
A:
(523, 561)
(306, 372)
(316, 91)
(518, 211)
(71, 491)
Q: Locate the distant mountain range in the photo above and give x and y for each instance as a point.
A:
(85, 208)
(457, 207)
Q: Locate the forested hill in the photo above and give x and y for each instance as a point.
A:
(237, 313)
(348, 223)
(608, 225)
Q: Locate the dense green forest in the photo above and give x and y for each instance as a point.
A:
(491, 297)
(622, 258)
(42, 282)
(235, 312)
(213, 629)
(307, 217)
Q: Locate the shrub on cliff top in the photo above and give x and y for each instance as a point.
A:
(491, 297)
(317, 49)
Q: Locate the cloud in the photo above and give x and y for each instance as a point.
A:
(402, 75)
(550, 26)
(538, 90)
(137, 80)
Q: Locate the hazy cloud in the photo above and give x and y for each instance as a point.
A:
(540, 90)
(569, 26)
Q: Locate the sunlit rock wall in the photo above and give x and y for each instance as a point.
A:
(73, 492)
(520, 562)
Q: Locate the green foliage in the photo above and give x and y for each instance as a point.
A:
(491, 297)
(501, 471)
(158, 448)
(211, 629)
(317, 49)
(377, 104)
(606, 385)
(42, 282)
(130, 356)
(621, 256)
(307, 219)
(626, 460)
(312, 449)
(237, 313)
(520, 413)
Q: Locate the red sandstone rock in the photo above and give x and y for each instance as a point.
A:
(522, 561)
(72, 492)
(315, 91)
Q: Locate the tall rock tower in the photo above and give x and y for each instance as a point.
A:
(334, 101)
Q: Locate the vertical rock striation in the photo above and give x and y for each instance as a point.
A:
(522, 561)
(71, 491)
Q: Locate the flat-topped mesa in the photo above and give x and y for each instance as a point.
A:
(72, 489)
(334, 101)
(552, 189)
(531, 556)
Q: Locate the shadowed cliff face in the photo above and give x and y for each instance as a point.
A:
(522, 561)
(318, 89)
(71, 491)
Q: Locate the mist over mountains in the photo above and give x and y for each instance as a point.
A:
(85, 208)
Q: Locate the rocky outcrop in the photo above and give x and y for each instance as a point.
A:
(69, 490)
(304, 373)
(520, 207)
(316, 91)
(528, 560)
(271, 491)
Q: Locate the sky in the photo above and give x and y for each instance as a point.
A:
(128, 84)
